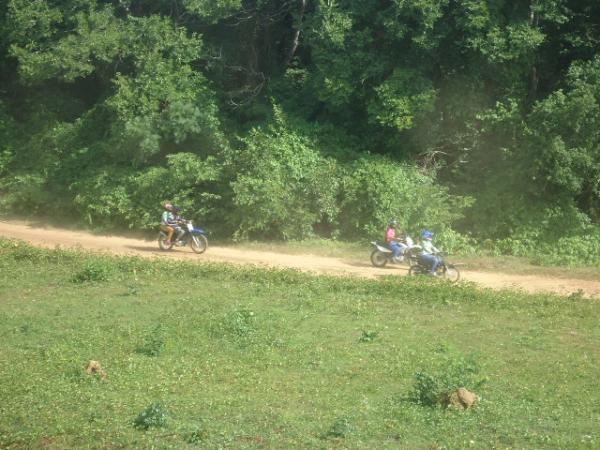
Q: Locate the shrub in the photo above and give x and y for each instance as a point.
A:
(340, 428)
(570, 250)
(154, 343)
(368, 336)
(196, 436)
(376, 189)
(238, 326)
(109, 197)
(94, 270)
(283, 187)
(154, 416)
(453, 371)
(453, 242)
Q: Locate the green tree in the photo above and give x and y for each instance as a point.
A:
(565, 134)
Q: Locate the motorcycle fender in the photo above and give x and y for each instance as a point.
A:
(199, 230)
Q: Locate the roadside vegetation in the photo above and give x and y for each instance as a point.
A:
(214, 356)
(278, 119)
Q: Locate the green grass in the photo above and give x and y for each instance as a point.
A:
(210, 356)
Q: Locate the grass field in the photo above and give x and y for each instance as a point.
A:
(211, 356)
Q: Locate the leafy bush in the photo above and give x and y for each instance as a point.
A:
(452, 372)
(573, 250)
(111, 197)
(154, 343)
(377, 189)
(283, 186)
(368, 336)
(341, 428)
(196, 436)
(238, 326)
(93, 270)
(154, 416)
(454, 242)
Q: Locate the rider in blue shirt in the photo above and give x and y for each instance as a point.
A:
(428, 258)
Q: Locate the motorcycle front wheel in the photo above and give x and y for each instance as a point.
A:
(451, 273)
(378, 259)
(199, 243)
(162, 242)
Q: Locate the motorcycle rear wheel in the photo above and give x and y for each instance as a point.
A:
(378, 259)
(416, 269)
(199, 243)
(162, 242)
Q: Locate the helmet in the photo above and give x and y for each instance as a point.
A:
(176, 209)
(427, 234)
(393, 222)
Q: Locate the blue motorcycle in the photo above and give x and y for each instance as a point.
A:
(195, 237)
(445, 270)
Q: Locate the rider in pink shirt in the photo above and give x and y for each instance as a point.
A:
(390, 234)
(390, 239)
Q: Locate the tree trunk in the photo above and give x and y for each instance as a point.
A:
(533, 76)
(296, 39)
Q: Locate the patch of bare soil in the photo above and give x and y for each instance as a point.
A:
(51, 237)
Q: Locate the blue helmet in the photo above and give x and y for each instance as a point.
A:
(427, 234)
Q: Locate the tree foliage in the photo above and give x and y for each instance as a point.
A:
(293, 118)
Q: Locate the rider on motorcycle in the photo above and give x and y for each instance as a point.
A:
(179, 220)
(427, 258)
(168, 222)
(395, 246)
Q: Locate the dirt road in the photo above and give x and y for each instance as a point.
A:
(52, 237)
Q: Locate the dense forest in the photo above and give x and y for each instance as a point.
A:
(287, 119)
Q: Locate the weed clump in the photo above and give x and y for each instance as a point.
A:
(341, 428)
(92, 271)
(241, 323)
(368, 336)
(154, 343)
(238, 326)
(196, 436)
(579, 294)
(154, 416)
(435, 387)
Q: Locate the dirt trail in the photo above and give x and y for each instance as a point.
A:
(51, 237)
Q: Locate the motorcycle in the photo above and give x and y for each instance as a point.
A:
(381, 255)
(445, 270)
(195, 237)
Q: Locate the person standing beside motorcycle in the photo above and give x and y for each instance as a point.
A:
(428, 258)
(390, 239)
(168, 224)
